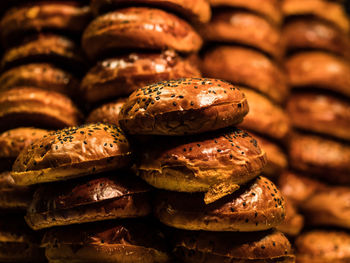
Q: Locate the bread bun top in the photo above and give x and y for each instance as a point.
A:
(178, 105)
(107, 113)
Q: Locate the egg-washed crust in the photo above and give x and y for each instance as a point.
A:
(197, 11)
(255, 207)
(73, 152)
(107, 113)
(139, 28)
(214, 163)
(183, 106)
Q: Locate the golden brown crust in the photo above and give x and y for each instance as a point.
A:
(329, 11)
(183, 106)
(269, 8)
(212, 163)
(73, 152)
(298, 188)
(293, 222)
(236, 26)
(122, 75)
(194, 10)
(37, 17)
(129, 242)
(45, 48)
(265, 117)
(246, 67)
(320, 113)
(324, 158)
(139, 27)
(40, 75)
(24, 106)
(107, 113)
(89, 200)
(329, 207)
(321, 246)
(255, 207)
(320, 70)
(211, 247)
(310, 33)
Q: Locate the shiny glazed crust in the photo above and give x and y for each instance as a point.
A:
(40, 75)
(73, 152)
(319, 70)
(65, 16)
(120, 76)
(211, 247)
(213, 163)
(246, 67)
(255, 207)
(310, 33)
(320, 113)
(265, 117)
(183, 106)
(329, 11)
(233, 26)
(194, 10)
(268, 8)
(139, 27)
(107, 113)
(24, 106)
(293, 222)
(324, 158)
(89, 200)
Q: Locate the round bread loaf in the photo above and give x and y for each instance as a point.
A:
(196, 11)
(256, 206)
(268, 8)
(312, 33)
(127, 242)
(213, 163)
(23, 106)
(322, 246)
(45, 48)
(120, 76)
(89, 200)
(320, 113)
(293, 222)
(328, 207)
(183, 106)
(265, 117)
(330, 11)
(325, 158)
(42, 16)
(246, 67)
(107, 113)
(139, 27)
(246, 28)
(72, 152)
(319, 70)
(215, 247)
(40, 75)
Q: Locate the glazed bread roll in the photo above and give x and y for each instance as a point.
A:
(120, 76)
(25, 106)
(196, 11)
(256, 206)
(72, 152)
(215, 247)
(183, 106)
(321, 113)
(89, 200)
(213, 163)
(246, 67)
(319, 70)
(107, 113)
(245, 28)
(129, 242)
(139, 28)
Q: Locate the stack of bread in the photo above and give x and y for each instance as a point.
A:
(136, 43)
(207, 172)
(316, 40)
